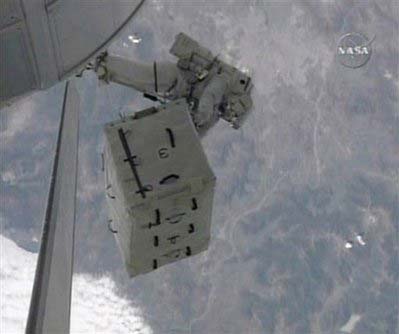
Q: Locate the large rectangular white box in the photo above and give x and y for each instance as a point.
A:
(159, 187)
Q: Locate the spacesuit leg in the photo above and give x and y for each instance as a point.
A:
(208, 108)
(153, 79)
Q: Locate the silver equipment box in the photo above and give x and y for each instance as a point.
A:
(159, 187)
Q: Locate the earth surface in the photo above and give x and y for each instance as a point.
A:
(306, 210)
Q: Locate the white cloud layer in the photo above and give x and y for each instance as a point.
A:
(17, 120)
(95, 306)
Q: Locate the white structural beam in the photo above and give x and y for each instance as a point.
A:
(51, 297)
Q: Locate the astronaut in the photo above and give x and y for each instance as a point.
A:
(211, 88)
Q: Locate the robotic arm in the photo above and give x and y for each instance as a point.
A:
(212, 88)
(152, 79)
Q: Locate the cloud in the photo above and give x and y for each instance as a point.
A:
(95, 306)
(17, 118)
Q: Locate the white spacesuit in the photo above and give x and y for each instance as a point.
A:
(212, 88)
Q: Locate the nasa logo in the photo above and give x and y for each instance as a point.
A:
(354, 50)
(357, 50)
